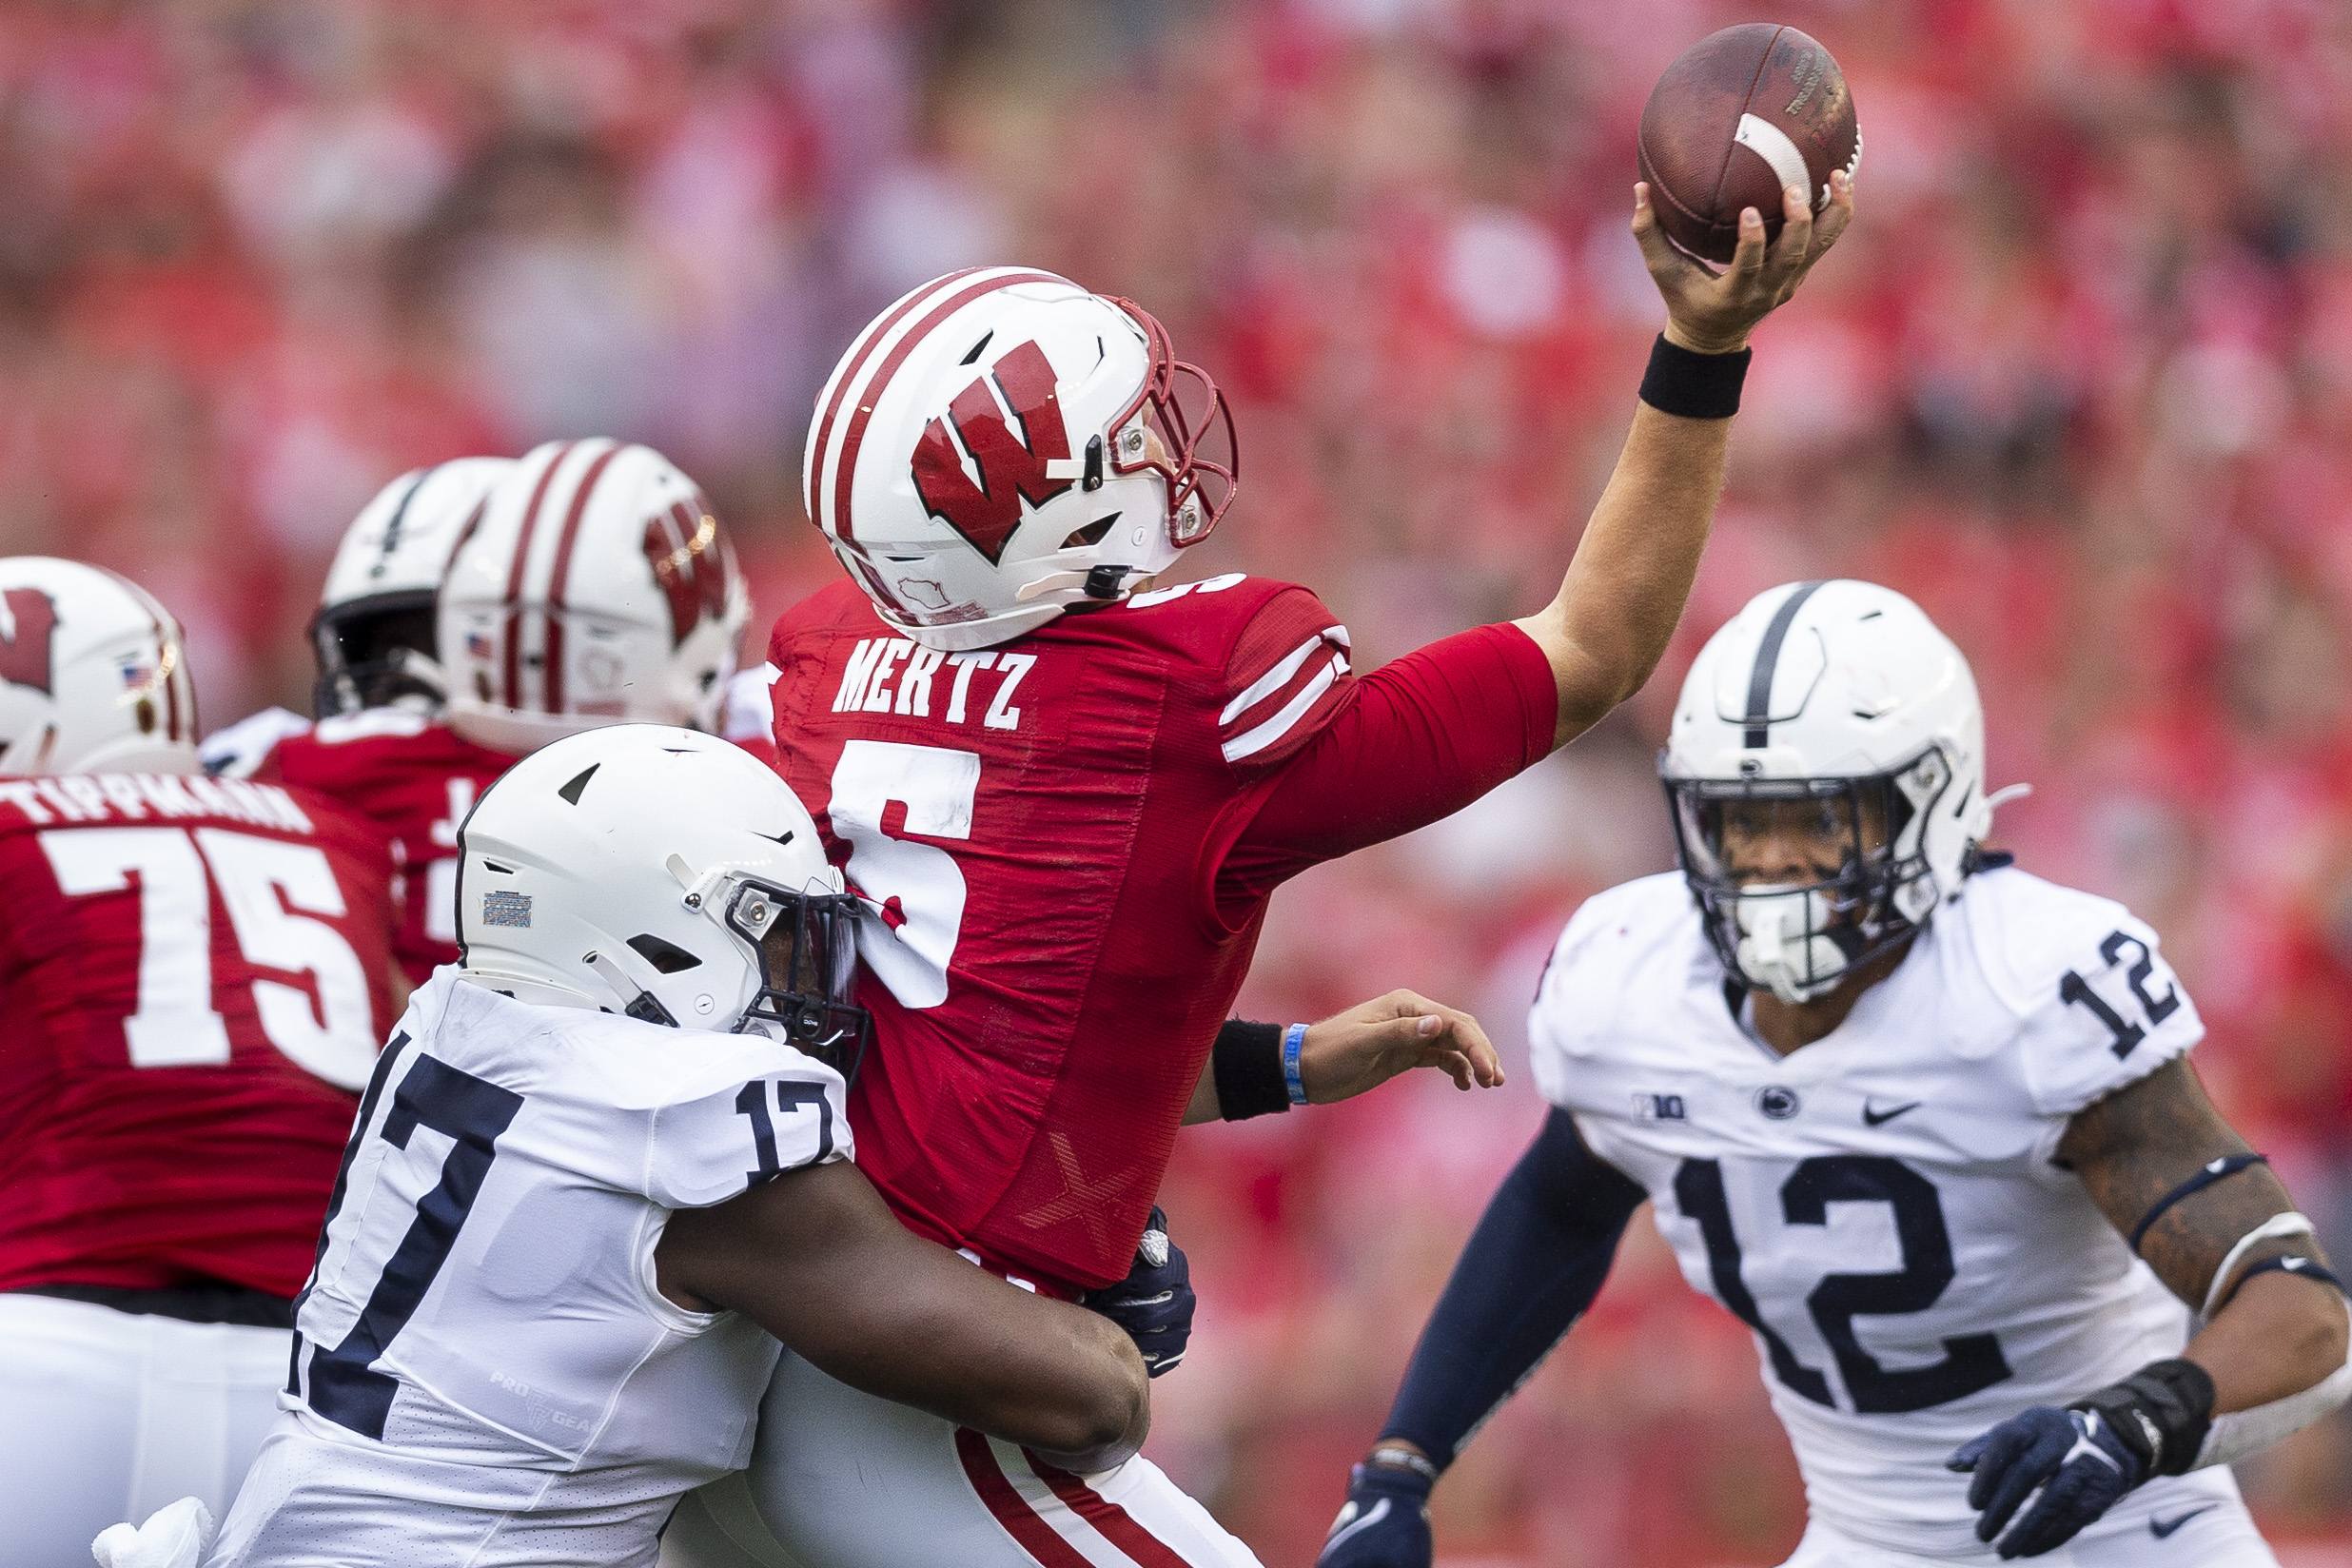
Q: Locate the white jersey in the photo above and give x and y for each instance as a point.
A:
(483, 1336)
(1881, 1207)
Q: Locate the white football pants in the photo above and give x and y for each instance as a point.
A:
(2195, 1520)
(107, 1416)
(841, 1479)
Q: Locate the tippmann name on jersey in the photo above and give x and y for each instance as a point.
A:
(1033, 826)
(412, 775)
(194, 981)
(1880, 1207)
(483, 1310)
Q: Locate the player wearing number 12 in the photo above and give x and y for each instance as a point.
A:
(1924, 1122)
(1066, 793)
(193, 975)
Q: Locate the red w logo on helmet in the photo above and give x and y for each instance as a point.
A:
(692, 563)
(25, 646)
(1012, 467)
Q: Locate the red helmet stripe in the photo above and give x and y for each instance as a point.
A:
(562, 573)
(854, 435)
(856, 363)
(514, 576)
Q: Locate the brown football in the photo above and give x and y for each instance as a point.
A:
(1742, 113)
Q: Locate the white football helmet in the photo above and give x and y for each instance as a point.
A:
(94, 673)
(1844, 697)
(666, 875)
(596, 588)
(1001, 444)
(374, 632)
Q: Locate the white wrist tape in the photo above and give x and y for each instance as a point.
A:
(2234, 1436)
(2289, 1224)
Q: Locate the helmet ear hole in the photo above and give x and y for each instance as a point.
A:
(1092, 534)
(666, 956)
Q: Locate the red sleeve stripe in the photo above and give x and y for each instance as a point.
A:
(1294, 686)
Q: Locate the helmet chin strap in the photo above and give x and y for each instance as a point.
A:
(1783, 943)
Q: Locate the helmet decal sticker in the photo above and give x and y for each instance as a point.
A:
(691, 564)
(31, 618)
(1013, 466)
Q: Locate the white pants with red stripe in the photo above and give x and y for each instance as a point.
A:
(841, 1479)
(107, 1416)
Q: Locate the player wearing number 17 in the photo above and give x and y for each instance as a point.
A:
(1924, 1122)
(193, 975)
(1068, 794)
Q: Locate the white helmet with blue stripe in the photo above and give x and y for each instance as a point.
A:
(1839, 705)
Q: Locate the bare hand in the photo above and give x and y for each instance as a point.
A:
(1372, 1041)
(1712, 313)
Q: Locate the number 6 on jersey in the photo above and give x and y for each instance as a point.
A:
(918, 887)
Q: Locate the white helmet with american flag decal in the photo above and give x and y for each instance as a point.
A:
(598, 587)
(1001, 445)
(93, 674)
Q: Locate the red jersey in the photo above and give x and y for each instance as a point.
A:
(194, 977)
(413, 776)
(1071, 839)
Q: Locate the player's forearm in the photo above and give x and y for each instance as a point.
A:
(816, 1259)
(2277, 1337)
(1633, 570)
(1536, 1261)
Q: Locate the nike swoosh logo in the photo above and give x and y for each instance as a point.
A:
(2162, 1529)
(1356, 1526)
(1872, 1116)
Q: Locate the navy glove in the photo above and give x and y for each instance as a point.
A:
(2078, 1459)
(1154, 1303)
(1385, 1523)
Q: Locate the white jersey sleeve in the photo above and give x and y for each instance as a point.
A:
(749, 712)
(239, 751)
(2097, 1006)
(784, 1115)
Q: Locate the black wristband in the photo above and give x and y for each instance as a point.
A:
(2298, 1265)
(1247, 1063)
(2206, 1175)
(1694, 386)
(2161, 1412)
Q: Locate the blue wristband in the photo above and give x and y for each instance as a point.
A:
(1294, 1037)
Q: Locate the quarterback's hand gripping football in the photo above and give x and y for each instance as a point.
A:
(1385, 1523)
(1712, 313)
(1372, 1041)
(2079, 1460)
(1154, 1303)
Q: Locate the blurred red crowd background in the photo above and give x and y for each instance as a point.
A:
(2080, 380)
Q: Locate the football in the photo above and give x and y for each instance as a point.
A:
(1741, 115)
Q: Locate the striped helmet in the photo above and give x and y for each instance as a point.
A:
(94, 673)
(597, 587)
(1001, 445)
(374, 634)
(1826, 772)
